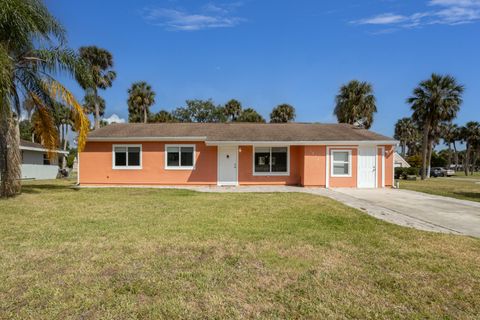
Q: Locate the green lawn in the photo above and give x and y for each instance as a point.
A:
(476, 175)
(465, 189)
(150, 253)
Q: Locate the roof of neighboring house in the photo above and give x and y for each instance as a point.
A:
(236, 132)
(397, 158)
(33, 146)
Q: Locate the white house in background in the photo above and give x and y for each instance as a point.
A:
(399, 162)
(35, 162)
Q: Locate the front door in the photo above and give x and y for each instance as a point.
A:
(367, 167)
(227, 165)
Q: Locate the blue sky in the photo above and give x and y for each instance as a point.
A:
(266, 52)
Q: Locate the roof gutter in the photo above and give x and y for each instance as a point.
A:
(306, 143)
(42, 150)
(136, 139)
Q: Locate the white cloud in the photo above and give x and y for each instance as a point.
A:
(208, 17)
(385, 18)
(114, 119)
(445, 12)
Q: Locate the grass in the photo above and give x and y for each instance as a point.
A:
(476, 175)
(152, 254)
(465, 189)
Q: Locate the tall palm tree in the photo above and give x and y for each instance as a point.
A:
(405, 132)
(449, 133)
(140, 98)
(282, 113)
(92, 102)
(233, 109)
(471, 135)
(434, 101)
(101, 75)
(28, 63)
(250, 115)
(355, 104)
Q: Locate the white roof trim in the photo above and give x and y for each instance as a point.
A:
(307, 143)
(139, 139)
(42, 150)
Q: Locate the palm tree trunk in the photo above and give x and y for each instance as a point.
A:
(10, 158)
(455, 155)
(426, 130)
(64, 145)
(144, 115)
(404, 148)
(466, 161)
(474, 161)
(429, 157)
(97, 111)
(449, 160)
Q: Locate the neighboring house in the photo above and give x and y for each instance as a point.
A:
(399, 161)
(325, 155)
(35, 162)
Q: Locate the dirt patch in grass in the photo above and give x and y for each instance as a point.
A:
(147, 253)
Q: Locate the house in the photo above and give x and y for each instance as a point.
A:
(35, 161)
(399, 161)
(305, 154)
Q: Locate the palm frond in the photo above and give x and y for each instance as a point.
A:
(81, 122)
(44, 127)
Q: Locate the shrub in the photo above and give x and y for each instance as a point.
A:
(399, 172)
(403, 173)
(415, 161)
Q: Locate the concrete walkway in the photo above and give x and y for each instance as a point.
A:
(402, 207)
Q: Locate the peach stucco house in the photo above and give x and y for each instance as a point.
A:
(304, 154)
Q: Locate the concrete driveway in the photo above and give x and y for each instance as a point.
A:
(415, 209)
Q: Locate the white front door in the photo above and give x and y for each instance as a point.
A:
(227, 166)
(367, 167)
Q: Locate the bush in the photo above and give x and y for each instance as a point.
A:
(399, 172)
(415, 161)
(403, 173)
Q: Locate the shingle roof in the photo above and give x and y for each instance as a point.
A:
(29, 144)
(238, 132)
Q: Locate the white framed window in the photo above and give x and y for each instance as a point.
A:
(271, 161)
(127, 156)
(179, 156)
(341, 163)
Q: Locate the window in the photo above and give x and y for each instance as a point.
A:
(271, 161)
(46, 159)
(127, 156)
(180, 157)
(341, 163)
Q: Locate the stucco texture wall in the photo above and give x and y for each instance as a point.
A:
(96, 166)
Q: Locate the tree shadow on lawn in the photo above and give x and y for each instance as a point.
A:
(474, 196)
(38, 188)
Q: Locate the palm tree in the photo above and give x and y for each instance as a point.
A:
(140, 98)
(434, 101)
(250, 115)
(449, 133)
(92, 102)
(282, 113)
(405, 132)
(233, 109)
(471, 135)
(355, 104)
(163, 116)
(99, 62)
(28, 62)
